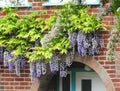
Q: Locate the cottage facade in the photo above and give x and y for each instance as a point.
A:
(99, 74)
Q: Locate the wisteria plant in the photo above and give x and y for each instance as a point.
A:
(114, 39)
(49, 42)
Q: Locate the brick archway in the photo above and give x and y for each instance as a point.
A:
(96, 66)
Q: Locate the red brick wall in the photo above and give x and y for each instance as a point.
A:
(11, 82)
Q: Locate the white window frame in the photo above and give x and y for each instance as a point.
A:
(21, 3)
(58, 1)
(61, 2)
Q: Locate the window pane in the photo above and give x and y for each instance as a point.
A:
(86, 85)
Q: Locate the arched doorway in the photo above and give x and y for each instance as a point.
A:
(79, 78)
(93, 64)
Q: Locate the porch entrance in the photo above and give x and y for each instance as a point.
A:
(78, 79)
(81, 81)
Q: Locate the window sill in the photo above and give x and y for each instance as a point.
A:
(19, 6)
(61, 4)
(96, 3)
(52, 4)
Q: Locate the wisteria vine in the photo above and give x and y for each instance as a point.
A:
(49, 47)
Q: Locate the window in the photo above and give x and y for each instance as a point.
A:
(61, 2)
(14, 3)
(86, 85)
(90, 2)
(54, 2)
(2, 2)
(58, 1)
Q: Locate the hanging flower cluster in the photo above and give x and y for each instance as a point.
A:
(51, 43)
(114, 40)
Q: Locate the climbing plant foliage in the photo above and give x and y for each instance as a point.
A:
(115, 5)
(114, 39)
(45, 41)
(17, 34)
